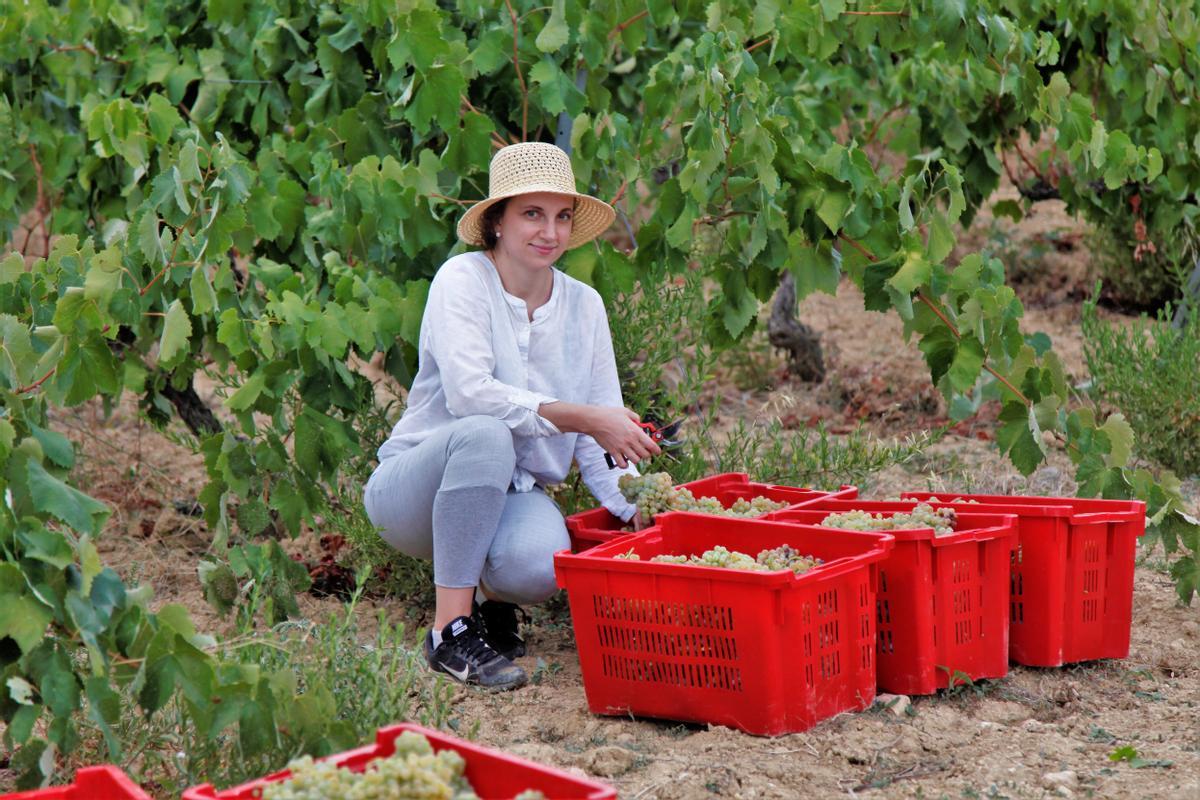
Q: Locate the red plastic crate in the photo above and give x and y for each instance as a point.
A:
(1071, 591)
(767, 653)
(91, 783)
(942, 600)
(494, 775)
(597, 525)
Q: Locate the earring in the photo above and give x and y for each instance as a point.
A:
(497, 234)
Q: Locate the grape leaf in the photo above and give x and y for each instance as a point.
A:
(554, 33)
(914, 272)
(12, 267)
(204, 299)
(52, 496)
(24, 618)
(246, 395)
(833, 208)
(968, 361)
(1020, 437)
(177, 329)
(1186, 574)
(941, 239)
(739, 309)
(1120, 437)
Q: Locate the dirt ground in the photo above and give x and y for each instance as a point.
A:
(1036, 733)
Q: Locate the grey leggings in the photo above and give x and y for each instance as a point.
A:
(450, 499)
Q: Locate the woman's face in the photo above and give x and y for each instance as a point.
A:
(535, 228)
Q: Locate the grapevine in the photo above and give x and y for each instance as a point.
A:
(943, 520)
(413, 771)
(770, 560)
(655, 493)
(262, 194)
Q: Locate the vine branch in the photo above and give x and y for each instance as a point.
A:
(621, 27)
(178, 238)
(86, 48)
(453, 199)
(620, 193)
(759, 44)
(497, 139)
(1036, 172)
(520, 75)
(941, 315)
(879, 121)
(37, 383)
(41, 205)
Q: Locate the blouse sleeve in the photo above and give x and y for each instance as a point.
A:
(605, 391)
(457, 326)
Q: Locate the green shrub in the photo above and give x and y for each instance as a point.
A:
(1151, 373)
(1147, 282)
(343, 679)
(386, 570)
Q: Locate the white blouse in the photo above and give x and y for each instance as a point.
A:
(479, 353)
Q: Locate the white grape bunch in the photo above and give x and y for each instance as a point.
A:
(943, 520)
(414, 770)
(776, 558)
(655, 493)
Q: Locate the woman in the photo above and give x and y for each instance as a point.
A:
(516, 379)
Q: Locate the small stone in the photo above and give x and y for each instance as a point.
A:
(1032, 726)
(896, 703)
(1191, 628)
(610, 761)
(1066, 778)
(1066, 693)
(1063, 791)
(989, 726)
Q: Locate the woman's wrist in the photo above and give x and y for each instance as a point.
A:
(567, 417)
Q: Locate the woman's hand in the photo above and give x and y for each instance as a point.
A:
(614, 428)
(617, 431)
(638, 522)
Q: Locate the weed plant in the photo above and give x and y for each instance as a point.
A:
(387, 571)
(1151, 280)
(809, 457)
(345, 684)
(1151, 373)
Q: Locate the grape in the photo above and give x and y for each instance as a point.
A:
(413, 771)
(655, 493)
(943, 520)
(776, 558)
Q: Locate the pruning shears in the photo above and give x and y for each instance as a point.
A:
(664, 437)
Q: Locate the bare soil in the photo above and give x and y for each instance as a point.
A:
(1036, 733)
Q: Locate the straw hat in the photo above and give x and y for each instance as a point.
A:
(536, 167)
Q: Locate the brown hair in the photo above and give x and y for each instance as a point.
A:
(491, 217)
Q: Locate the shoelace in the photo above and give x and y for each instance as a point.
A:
(474, 648)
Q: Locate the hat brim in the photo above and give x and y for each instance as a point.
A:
(592, 216)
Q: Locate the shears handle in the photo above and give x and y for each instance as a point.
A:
(651, 430)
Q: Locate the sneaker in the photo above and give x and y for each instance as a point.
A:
(501, 627)
(465, 655)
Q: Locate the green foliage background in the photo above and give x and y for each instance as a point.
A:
(261, 190)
